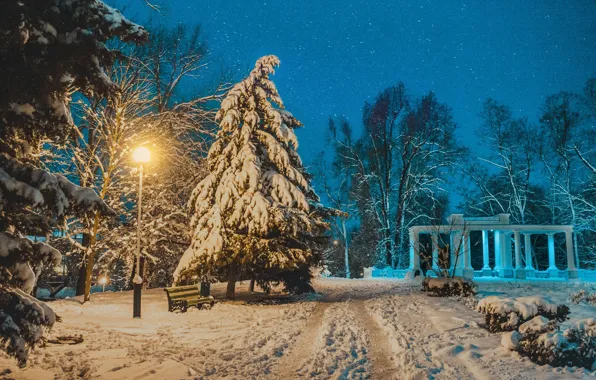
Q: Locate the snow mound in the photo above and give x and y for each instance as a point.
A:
(510, 340)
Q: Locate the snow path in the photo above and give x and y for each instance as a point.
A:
(341, 340)
(379, 346)
(354, 329)
(340, 350)
(288, 366)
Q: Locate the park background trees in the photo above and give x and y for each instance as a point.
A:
(404, 165)
(394, 174)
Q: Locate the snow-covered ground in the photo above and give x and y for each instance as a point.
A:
(379, 329)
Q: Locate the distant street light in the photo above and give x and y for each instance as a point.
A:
(335, 242)
(141, 155)
(103, 280)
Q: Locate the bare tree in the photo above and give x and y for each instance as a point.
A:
(399, 164)
(512, 154)
(427, 152)
(336, 180)
(144, 112)
(561, 123)
(378, 150)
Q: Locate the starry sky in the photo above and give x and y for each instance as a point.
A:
(336, 54)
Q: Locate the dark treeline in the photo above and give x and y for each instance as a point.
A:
(405, 165)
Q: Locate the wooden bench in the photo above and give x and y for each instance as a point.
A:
(183, 297)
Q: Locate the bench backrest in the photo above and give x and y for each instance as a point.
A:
(182, 292)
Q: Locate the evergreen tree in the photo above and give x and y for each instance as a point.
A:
(256, 207)
(49, 49)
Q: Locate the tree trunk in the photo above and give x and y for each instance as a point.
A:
(231, 282)
(251, 286)
(88, 274)
(145, 272)
(400, 219)
(91, 258)
(387, 251)
(81, 279)
(346, 248)
(82, 269)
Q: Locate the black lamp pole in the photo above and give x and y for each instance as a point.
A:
(138, 280)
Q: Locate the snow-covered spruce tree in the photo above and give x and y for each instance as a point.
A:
(49, 49)
(256, 206)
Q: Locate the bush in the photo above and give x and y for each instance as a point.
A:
(543, 343)
(447, 287)
(507, 314)
(581, 296)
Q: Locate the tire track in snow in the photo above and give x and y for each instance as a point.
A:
(411, 340)
(290, 364)
(340, 350)
(379, 349)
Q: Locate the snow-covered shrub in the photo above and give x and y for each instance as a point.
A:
(543, 343)
(506, 314)
(582, 296)
(447, 287)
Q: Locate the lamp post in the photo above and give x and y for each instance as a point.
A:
(141, 155)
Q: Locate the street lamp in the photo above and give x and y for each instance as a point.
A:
(141, 155)
(103, 280)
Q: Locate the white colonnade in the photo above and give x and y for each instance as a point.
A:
(506, 237)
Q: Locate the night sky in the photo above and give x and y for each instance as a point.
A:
(337, 54)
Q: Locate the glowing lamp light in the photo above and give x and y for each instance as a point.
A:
(335, 242)
(142, 154)
(103, 280)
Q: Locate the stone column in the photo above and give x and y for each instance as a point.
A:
(530, 271)
(451, 253)
(571, 268)
(486, 271)
(458, 247)
(468, 271)
(519, 269)
(435, 244)
(507, 258)
(552, 270)
(414, 252)
(498, 264)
